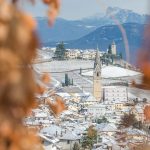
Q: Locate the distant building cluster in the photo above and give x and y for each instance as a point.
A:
(89, 53)
(111, 56)
(81, 54)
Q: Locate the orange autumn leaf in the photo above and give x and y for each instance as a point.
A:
(5, 128)
(52, 13)
(55, 3)
(54, 6)
(18, 48)
(47, 1)
(147, 112)
(146, 72)
(46, 78)
(40, 89)
(143, 61)
(29, 22)
(57, 107)
(91, 131)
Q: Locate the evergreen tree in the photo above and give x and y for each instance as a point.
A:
(103, 120)
(63, 84)
(120, 54)
(128, 120)
(76, 146)
(60, 51)
(81, 71)
(72, 82)
(69, 82)
(91, 137)
(109, 50)
(144, 100)
(112, 58)
(66, 80)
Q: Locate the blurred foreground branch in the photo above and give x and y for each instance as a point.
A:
(18, 43)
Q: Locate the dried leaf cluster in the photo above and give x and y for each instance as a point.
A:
(147, 113)
(58, 106)
(143, 60)
(144, 146)
(144, 55)
(92, 133)
(53, 9)
(18, 43)
(143, 63)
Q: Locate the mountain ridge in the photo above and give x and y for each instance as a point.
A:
(65, 30)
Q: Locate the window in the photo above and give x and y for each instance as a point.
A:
(97, 74)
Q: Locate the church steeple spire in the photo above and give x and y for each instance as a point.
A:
(97, 59)
(97, 91)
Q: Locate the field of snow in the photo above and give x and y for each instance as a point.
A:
(58, 66)
(113, 72)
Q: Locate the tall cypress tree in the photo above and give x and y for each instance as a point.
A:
(120, 54)
(66, 80)
(80, 70)
(109, 49)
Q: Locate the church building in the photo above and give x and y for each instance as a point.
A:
(97, 81)
(113, 48)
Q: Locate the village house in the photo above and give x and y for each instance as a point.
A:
(97, 110)
(115, 93)
(106, 129)
(88, 54)
(72, 54)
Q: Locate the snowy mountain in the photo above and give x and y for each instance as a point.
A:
(62, 30)
(115, 13)
(65, 30)
(125, 16)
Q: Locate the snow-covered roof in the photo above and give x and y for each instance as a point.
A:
(132, 131)
(110, 141)
(52, 130)
(125, 109)
(66, 112)
(106, 127)
(63, 94)
(41, 115)
(97, 106)
(114, 87)
(54, 140)
(139, 109)
(81, 94)
(70, 136)
(91, 98)
(132, 96)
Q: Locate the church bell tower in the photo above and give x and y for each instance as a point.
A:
(97, 85)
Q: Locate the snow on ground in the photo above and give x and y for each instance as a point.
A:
(113, 72)
(58, 66)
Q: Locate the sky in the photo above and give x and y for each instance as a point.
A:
(78, 9)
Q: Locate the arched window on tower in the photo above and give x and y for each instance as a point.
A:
(97, 74)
